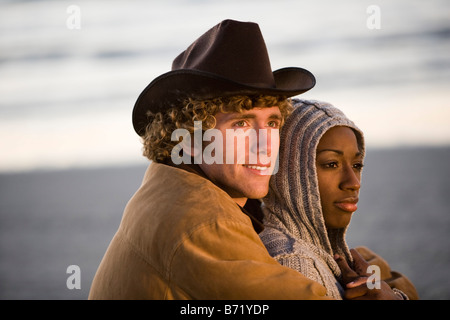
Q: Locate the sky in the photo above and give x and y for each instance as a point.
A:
(71, 71)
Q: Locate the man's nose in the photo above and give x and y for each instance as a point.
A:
(266, 144)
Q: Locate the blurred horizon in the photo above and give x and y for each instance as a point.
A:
(70, 159)
(67, 94)
(51, 220)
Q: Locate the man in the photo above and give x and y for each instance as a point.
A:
(185, 234)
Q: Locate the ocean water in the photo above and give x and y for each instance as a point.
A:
(404, 215)
(52, 220)
(70, 160)
(67, 93)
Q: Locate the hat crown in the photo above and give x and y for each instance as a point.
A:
(233, 50)
(229, 59)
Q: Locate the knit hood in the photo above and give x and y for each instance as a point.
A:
(293, 200)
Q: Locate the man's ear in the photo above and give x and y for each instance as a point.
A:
(191, 145)
(196, 148)
(191, 148)
(186, 149)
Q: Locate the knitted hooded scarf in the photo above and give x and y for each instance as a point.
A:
(295, 233)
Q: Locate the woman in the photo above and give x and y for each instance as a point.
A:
(312, 197)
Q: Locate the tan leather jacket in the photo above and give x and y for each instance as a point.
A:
(182, 237)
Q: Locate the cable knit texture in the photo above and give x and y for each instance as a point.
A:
(295, 233)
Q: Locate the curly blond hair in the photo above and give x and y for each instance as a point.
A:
(157, 143)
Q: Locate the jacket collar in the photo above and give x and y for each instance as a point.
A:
(252, 207)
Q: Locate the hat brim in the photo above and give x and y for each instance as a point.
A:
(172, 88)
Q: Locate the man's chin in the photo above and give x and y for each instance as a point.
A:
(257, 194)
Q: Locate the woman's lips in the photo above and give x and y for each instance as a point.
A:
(350, 205)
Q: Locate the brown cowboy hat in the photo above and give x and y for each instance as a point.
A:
(229, 59)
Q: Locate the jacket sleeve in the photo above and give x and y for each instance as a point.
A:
(392, 278)
(206, 266)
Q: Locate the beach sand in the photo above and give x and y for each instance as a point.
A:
(51, 220)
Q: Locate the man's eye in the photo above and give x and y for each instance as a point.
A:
(240, 123)
(273, 124)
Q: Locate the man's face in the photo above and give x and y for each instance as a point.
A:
(248, 174)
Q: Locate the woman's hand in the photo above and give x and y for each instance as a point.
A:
(355, 281)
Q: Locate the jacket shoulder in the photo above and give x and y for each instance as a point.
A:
(170, 204)
(182, 237)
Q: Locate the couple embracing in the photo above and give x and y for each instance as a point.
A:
(242, 229)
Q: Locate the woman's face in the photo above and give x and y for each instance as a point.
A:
(339, 163)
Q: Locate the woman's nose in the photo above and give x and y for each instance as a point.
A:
(351, 179)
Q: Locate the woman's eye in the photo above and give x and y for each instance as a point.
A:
(330, 165)
(358, 166)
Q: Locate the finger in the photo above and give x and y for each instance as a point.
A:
(356, 292)
(348, 274)
(357, 282)
(360, 265)
(343, 265)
